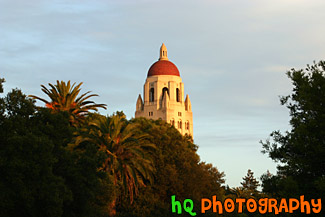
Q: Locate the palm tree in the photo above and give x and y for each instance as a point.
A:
(64, 97)
(128, 153)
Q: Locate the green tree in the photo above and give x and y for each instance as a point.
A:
(178, 171)
(301, 151)
(127, 154)
(65, 97)
(249, 182)
(39, 175)
(2, 80)
(28, 186)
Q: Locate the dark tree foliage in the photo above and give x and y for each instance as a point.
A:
(2, 80)
(249, 182)
(301, 151)
(178, 171)
(39, 176)
(128, 154)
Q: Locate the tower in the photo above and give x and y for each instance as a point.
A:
(163, 96)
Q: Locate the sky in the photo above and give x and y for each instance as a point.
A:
(232, 55)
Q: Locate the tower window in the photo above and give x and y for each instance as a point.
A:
(150, 113)
(180, 124)
(152, 95)
(180, 114)
(165, 89)
(177, 95)
(187, 125)
(172, 122)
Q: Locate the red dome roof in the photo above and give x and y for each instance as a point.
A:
(163, 67)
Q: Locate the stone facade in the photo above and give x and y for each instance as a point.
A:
(163, 96)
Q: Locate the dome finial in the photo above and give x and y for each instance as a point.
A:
(163, 52)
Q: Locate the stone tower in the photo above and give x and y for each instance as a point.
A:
(163, 96)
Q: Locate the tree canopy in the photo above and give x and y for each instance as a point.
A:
(2, 80)
(65, 97)
(300, 151)
(178, 171)
(249, 182)
(39, 176)
(127, 153)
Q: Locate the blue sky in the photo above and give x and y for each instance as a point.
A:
(232, 56)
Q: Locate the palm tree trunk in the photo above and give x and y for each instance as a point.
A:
(112, 208)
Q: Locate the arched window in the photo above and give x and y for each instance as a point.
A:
(187, 125)
(180, 124)
(172, 122)
(165, 89)
(177, 95)
(151, 94)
